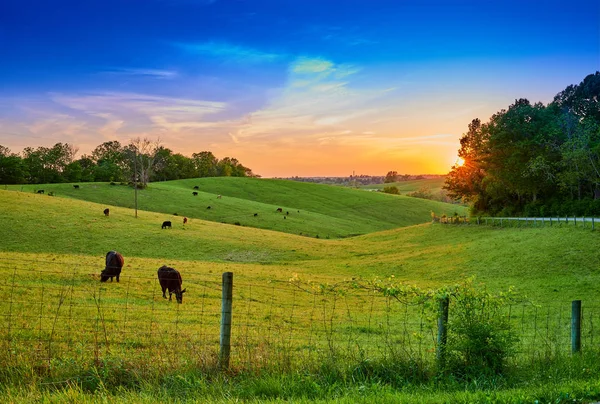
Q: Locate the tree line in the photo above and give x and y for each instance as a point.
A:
(534, 159)
(142, 161)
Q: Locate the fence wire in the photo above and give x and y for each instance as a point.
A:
(50, 315)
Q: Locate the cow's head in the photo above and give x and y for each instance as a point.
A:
(104, 276)
(179, 295)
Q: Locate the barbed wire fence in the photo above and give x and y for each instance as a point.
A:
(51, 317)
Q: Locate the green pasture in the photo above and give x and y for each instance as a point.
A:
(307, 209)
(297, 299)
(434, 184)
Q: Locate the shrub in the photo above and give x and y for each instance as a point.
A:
(480, 338)
(391, 190)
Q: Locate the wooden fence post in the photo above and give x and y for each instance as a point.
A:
(226, 306)
(576, 326)
(442, 335)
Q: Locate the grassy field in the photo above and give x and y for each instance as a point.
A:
(63, 324)
(307, 209)
(434, 185)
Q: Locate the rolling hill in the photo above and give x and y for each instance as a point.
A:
(308, 209)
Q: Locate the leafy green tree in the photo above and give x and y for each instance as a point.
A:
(206, 164)
(13, 169)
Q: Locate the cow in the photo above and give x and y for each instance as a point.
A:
(50, 193)
(208, 207)
(114, 263)
(40, 191)
(279, 210)
(218, 196)
(287, 213)
(106, 212)
(256, 214)
(76, 186)
(196, 187)
(195, 193)
(184, 220)
(166, 223)
(170, 279)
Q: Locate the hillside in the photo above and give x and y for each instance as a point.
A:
(548, 264)
(307, 209)
(434, 184)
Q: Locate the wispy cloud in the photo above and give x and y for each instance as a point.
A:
(153, 73)
(227, 51)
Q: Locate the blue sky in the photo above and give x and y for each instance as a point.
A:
(287, 87)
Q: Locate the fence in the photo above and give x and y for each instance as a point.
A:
(582, 222)
(50, 317)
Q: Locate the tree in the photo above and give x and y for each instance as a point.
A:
(13, 169)
(206, 164)
(391, 176)
(111, 164)
(141, 154)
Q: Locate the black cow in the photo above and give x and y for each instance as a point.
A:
(166, 223)
(106, 212)
(195, 193)
(208, 207)
(76, 186)
(170, 278)
(256, 214)
(196, 187)
(114, 263)
(40, 191)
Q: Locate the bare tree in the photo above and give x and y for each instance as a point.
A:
(142, 155)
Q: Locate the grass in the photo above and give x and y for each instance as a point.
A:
(63, 325)
(307, 209)
(434, 184)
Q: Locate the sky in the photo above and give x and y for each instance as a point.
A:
(289, 88)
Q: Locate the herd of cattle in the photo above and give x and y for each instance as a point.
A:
(169, 278)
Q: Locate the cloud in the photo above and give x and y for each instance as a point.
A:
(153, 73)
(227, 51)
(319, 99)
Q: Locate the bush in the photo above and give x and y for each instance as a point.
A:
(480, 338)
(391, 190)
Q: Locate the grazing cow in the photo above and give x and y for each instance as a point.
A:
(195, 193)
(166, 223)
(256, 214)
(285, 217)
(40, 191)
(184, 220)
(196, 187)
(114, 263)
(279, 210)
(76, 186)
(170, 279)
(208, 207)
(218, 196)
(287, 213)
(50, 193)
(106, 212)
